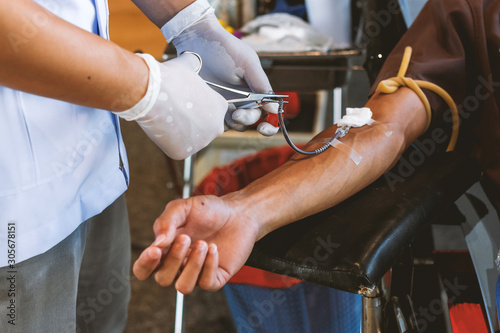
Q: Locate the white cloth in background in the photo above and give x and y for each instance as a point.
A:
(282, 32)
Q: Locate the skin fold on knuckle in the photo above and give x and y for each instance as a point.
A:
(178, 253)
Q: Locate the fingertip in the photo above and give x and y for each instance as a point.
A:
(183, 239)
(154, 253)
(146, 263)
(208, 279)
(271, 107)
(234, 125)
(161, 280)
(247, 116)
(267, 129)
(212, 249)
(182, 288)
(201, 245)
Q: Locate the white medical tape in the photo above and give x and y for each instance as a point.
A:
(354, 155)
(387, 132)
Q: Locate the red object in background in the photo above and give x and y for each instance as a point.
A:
(273, 119)
(291, 109)
(467, 318)
(260, 278)
(236, 175)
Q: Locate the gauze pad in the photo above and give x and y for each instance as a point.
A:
(355, 117)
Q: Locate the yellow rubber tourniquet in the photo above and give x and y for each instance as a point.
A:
(391, 85)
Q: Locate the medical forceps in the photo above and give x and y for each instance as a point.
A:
(249, 96)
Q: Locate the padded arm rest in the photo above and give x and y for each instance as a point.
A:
(351, 246)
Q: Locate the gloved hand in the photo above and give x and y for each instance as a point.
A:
(179, 112)
(226, 60)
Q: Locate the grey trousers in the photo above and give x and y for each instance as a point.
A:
(80, 285)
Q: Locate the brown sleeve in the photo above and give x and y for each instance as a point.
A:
(443, 38)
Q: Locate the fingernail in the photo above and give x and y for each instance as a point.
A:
(202, 246)
(159, 240)
(183, 239)
(212, 248)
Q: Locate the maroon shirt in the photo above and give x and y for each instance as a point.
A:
(456, 45)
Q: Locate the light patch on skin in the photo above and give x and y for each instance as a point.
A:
(189, 149)
(170, 119)
(189, 105)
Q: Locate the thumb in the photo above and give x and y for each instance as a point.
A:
(257, 80)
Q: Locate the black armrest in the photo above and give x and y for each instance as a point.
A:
(351, 246)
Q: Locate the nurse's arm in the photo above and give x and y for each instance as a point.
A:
(161, 11)
(47, 56)
(301, 187)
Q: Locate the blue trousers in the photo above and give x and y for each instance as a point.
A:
(303, 308)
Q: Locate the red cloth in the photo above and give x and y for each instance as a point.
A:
(236, 175)
(466, 318)
(261, 278)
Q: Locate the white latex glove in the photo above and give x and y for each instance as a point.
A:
(226, 59)
(179, 112)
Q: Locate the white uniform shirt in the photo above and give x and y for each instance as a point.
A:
(60, 163)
